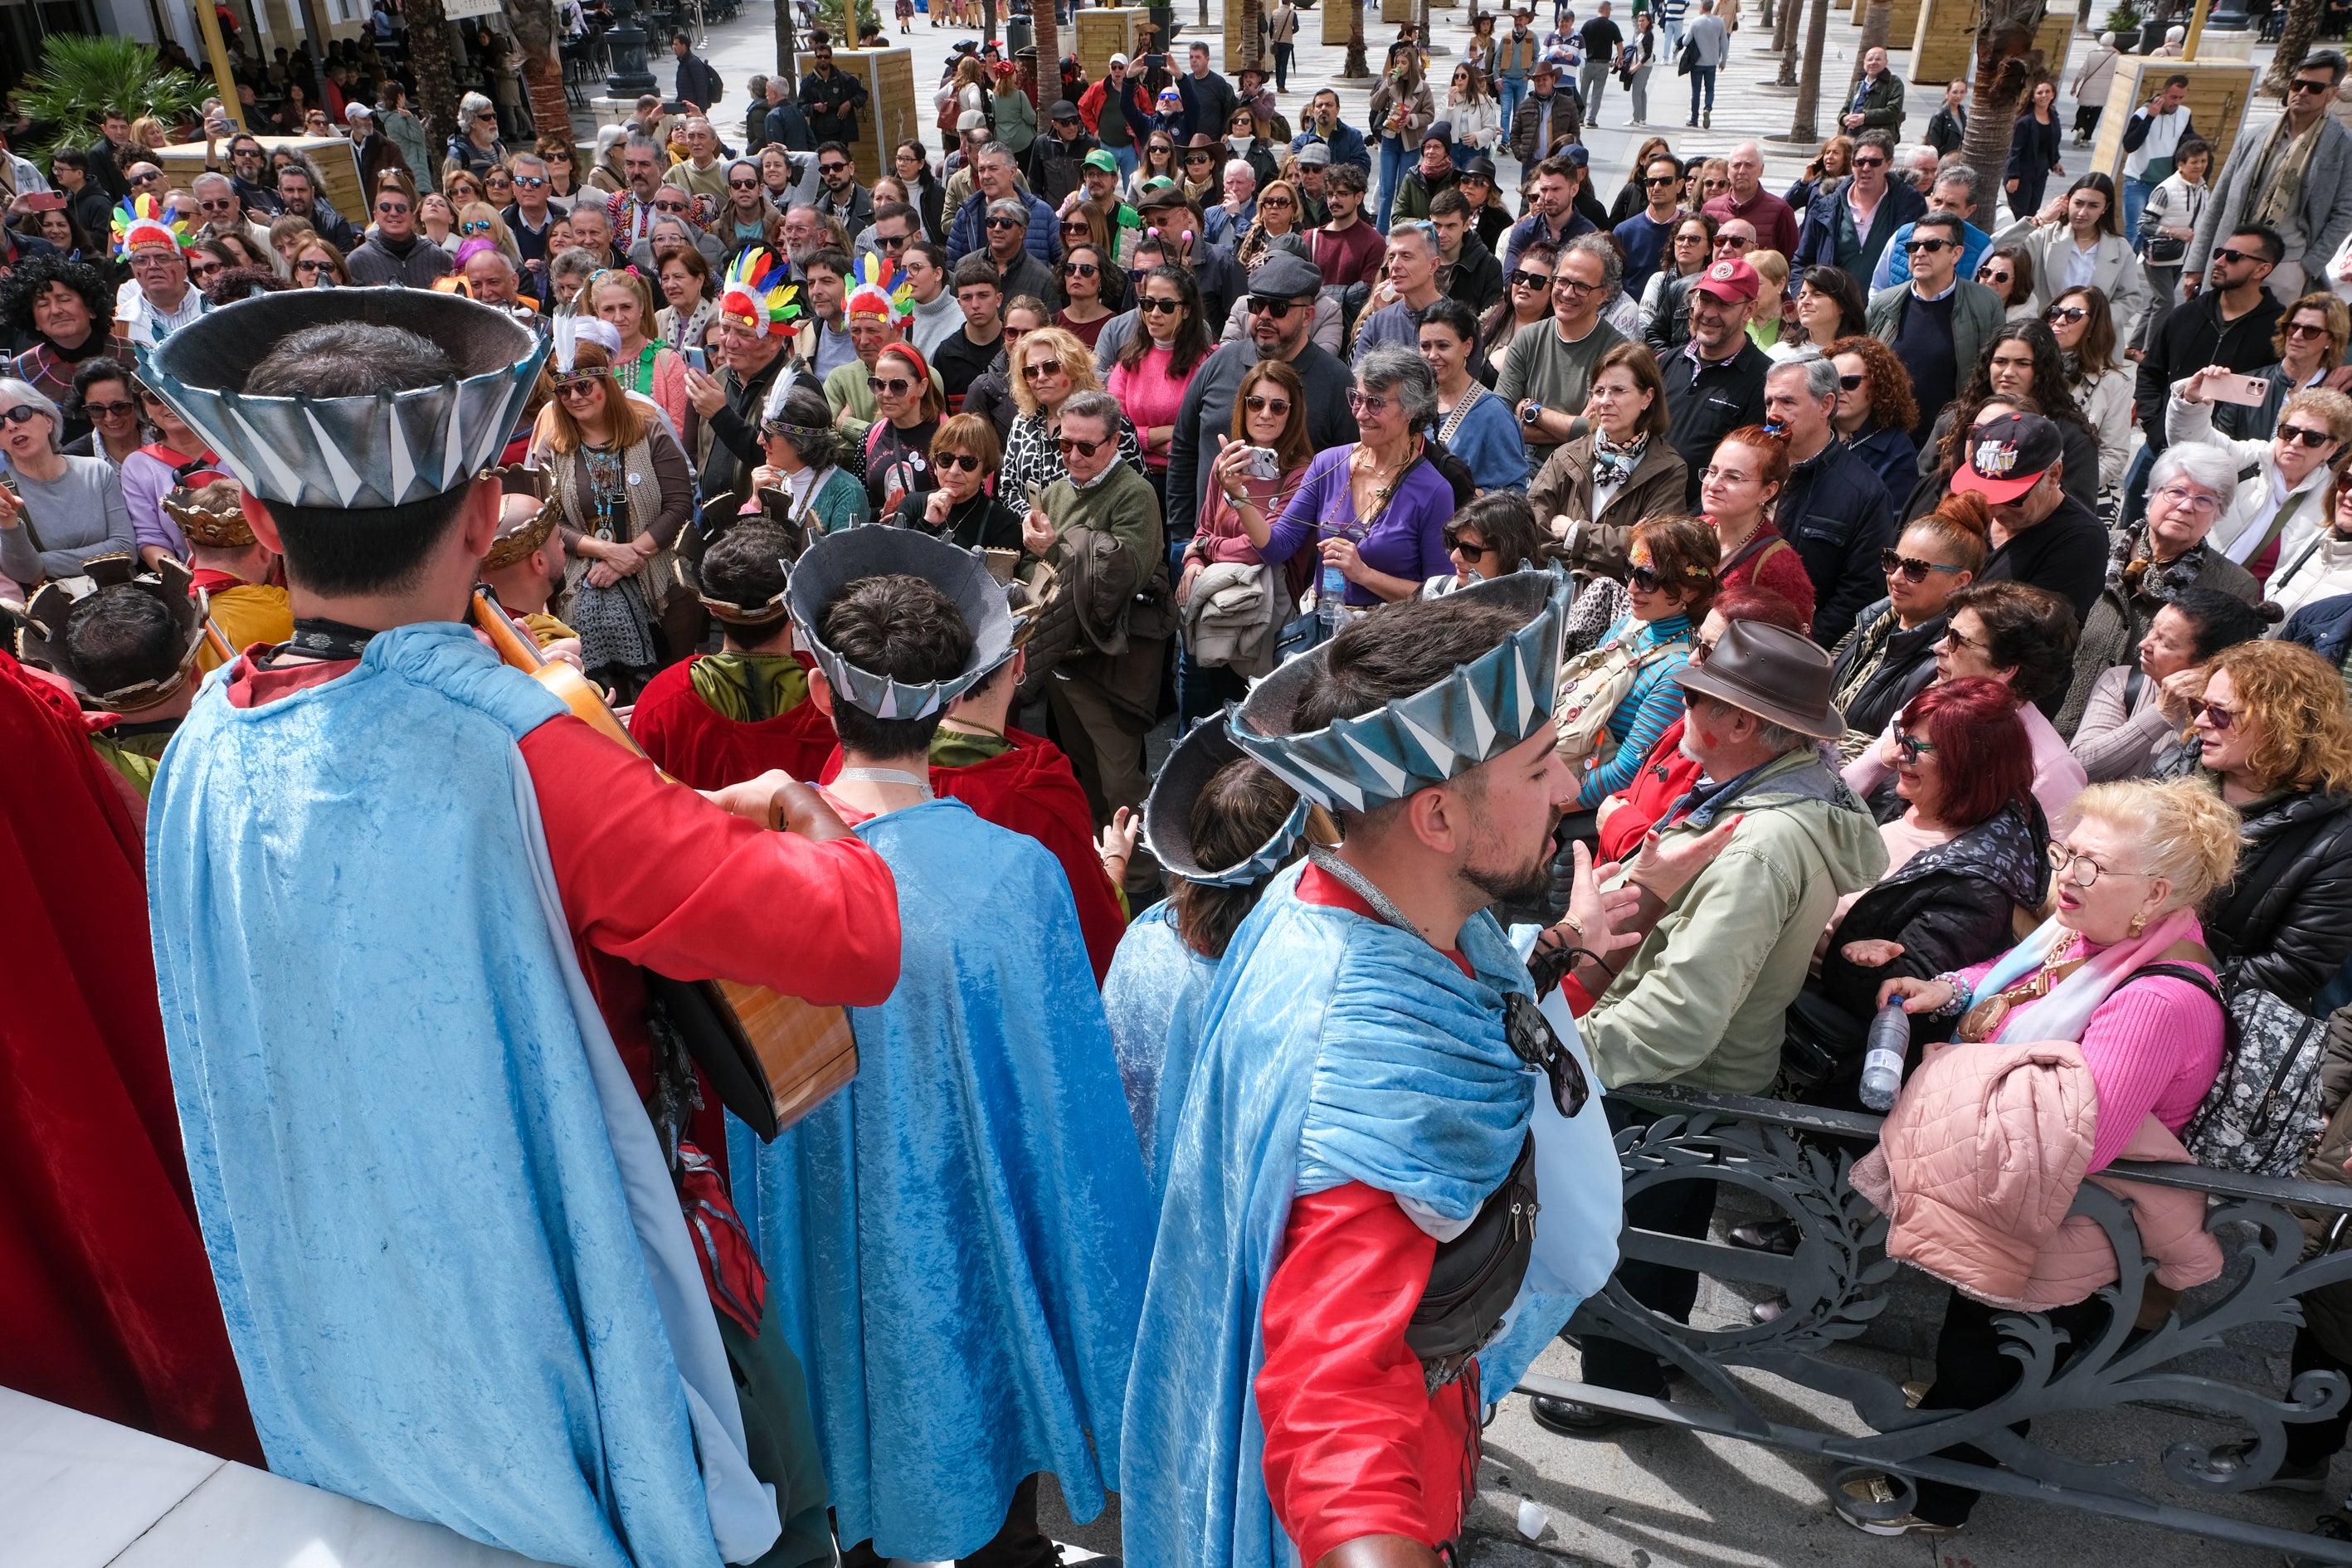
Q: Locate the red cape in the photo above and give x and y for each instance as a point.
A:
(1031, 789)
(105, 1296)
(692, 743)
(1666, 775)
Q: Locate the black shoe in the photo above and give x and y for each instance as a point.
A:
(1779, 1235)
(1574, 1418)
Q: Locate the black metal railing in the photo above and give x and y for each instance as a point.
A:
(1792, 1162)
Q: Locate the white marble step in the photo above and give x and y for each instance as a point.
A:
(80, 1492)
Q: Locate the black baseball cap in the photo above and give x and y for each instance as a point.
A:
(2007, 456)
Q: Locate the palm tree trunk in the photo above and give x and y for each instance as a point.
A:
(437, 81)
(1046, 18)
(542, 68)
(1809, 91)
(1784, 40)
(2295, 37)
(1355, 68)
(2007, 64)
(1252, 19)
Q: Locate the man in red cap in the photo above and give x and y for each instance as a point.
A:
(2055, 542)
(1715, 382)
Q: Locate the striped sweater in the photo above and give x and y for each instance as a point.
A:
(1651, 703)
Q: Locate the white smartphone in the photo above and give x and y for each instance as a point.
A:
(1265, 463)
(2247, 389)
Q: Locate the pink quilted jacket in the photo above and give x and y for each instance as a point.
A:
(1981, 1159)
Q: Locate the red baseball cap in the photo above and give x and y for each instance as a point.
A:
(2007, 456)
(1730, 278)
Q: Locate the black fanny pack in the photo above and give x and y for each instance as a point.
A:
(1475, 1276)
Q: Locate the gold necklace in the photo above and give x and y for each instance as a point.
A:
(1984, 1020)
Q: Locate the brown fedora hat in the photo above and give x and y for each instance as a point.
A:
(1770, 672)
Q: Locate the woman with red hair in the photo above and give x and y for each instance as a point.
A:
(1970, 849)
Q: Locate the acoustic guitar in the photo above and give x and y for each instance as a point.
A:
(772, 1058)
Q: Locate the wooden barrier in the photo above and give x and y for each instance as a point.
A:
(894, 110)
(2219, 93)
(1943, 46)
(1107, 31)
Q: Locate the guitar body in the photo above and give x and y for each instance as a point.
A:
(772, 1058)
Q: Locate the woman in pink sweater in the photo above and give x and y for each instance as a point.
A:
(1154, 366)
(2130, 875)
(1269, 413)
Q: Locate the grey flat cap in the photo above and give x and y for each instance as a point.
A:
(1286, 277)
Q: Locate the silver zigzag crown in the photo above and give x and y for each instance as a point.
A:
(1168, 812)
(1473, 715)
(839, 559)
(366, 452)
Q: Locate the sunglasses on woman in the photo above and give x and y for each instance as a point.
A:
(1040, 372)
(1081, 268)
(1159, 306)
(110, 410)
(1909, 569)
(1469, 552)
(23, 414)
(311, 269)
(1258, 403)
(964, 460)
(2211, 714)
(579, 385)
(894, 387)
(2314, 439)
(1523, 279)
(2057, 313)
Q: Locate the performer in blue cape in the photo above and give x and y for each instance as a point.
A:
(1351, 1214)
(399, 897)
(1220, 825)
(959, 1239)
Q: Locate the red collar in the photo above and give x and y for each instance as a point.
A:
(207, 580)
(1317, 885)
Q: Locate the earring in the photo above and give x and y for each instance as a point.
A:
(2138, 924)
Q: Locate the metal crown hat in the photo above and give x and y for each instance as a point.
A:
(41, 640)
(2007, 456)
(1168, 812)
(1473, 715)
(201, 525)
(519, 536)
(369, 451)
(839, 559)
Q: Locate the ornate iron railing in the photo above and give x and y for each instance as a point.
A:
(1796, 1159)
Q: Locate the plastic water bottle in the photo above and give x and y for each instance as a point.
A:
(1330, 594)
(1882, 1066)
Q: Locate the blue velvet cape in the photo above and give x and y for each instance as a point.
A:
(1153, 996)
(1330, 1049)
(453, 1265)
(957, 1240)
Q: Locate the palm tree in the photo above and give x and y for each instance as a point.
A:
(542, 67)
(1355, 68)
(1047, 18)
(2008, 65)
(1809, 91)
(1784, 42)
(437, 80)
(1878, 21)
(2296, 35)
(81, 78)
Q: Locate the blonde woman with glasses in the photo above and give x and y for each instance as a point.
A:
(1048, 367)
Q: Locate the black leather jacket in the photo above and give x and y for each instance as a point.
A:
(2284, 922)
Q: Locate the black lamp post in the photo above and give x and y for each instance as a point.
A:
(630, 79)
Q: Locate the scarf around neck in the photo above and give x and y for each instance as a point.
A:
(2065, 1012)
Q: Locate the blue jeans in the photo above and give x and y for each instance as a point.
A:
(1702, 77)
(1126, 158)
(1394, 156)
(2135, 195)
(1282, 53)
(1673, 32)
(1509, 91)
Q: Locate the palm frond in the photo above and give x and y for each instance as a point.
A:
(80, 78)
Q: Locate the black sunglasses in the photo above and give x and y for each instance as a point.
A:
(1278, 308)
(896, 386)
(1523, 279)
(1069, 444)
(1159, 307)
(1912, 247)
(947, 460)
(1662, 180)
(1007, 223)
(2314, 439)
(2065, 313)
(109, 410)
(2223, 253)
(1850, 383)
(831, 168)
(1532, 1040)
(23, 414)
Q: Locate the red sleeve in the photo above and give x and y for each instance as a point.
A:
(1785, 574)
(652, 873)
(1342, 1398)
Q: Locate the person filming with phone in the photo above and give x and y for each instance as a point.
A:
(2281, 501)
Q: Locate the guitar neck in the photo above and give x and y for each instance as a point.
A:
(516, 648)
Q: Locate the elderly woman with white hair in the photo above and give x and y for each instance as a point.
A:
(476, 146)
(1376, 509)
(2282, 506)
(2149, 565)
(56, 512)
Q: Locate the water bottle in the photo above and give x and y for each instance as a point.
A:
(1331, 596)
(1882, 1067)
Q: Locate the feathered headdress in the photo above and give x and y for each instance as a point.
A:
(567, 330)
(142, 220)
(882, 289)
(759, 295)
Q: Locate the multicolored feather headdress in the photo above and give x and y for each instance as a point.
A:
(142, 220)
(882, 289)
(567, 330)
(759, 295)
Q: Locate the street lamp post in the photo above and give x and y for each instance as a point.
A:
(630, 79)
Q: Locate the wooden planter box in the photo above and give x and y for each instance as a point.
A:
(2219, 92)
(894, 112)
(333, 155)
